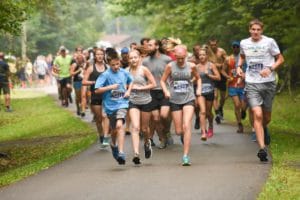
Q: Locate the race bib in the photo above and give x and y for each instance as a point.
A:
(181, 86)
(256, 67)
(117, 94)
(207, 88)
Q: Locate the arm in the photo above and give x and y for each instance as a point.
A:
(86, 75)
(239, 69)
(163, 80)
(72, 69)
(216, 75)
(101, 87)
(196, 78)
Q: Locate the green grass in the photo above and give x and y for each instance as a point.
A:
(37, 135)
(284, 178)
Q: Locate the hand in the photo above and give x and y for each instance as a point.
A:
(167, 95)
(136, 87)
(127, 94)
(265, 72)
(239, 71)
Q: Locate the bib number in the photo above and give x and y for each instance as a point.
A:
(117, 94)
(181, 86)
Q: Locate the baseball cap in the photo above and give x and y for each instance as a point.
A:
(124, 50)
(235, 43)
(62, 48)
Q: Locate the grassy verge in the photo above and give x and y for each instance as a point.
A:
(37, 135)
(284, 178)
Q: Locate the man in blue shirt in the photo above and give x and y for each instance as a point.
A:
(115, 84)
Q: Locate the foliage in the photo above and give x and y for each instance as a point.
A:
(196, 21)
(68, 23)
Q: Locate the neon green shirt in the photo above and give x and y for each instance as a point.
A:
(64, 64)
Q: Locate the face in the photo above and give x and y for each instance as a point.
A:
(99, 56)
(63, 53)
(134, 59)
(80, 58)
(236, 49)
(213, 45)
(152, 47)
(196, 50)
(115, 65)
(202, 56)
(180, 57)
(125, 57)
(255, 32)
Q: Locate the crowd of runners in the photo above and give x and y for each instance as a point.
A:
(157, 82)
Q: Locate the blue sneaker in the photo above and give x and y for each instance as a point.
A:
(253, 137)
(186, 161)
(114, 151)
(267, 136)
(121, 158)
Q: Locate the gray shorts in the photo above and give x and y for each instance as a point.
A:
(261, 94)
(119, 114)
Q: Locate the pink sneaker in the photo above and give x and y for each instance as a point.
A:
(210, 132)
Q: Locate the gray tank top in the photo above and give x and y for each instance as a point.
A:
(207, 83)
(140, 97)
(181, 87)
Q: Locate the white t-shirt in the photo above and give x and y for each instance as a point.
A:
(41, 67)
(259, 55)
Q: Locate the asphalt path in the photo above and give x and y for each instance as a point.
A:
(224, 167)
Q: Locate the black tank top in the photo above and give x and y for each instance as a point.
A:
(94, 75)
(79, 75)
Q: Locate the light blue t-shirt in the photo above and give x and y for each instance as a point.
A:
(114, 100)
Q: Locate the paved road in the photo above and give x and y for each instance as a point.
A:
(225, 167)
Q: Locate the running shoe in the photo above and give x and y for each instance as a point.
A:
(121, 158)
(182, 139)
(203, 136)
(197, 123)
(114, 151)
(136, 159)
(82, 114)
(148, 150)
(105, 142)
(267, 136)
(162, 145)
(253, 137)
(78, 112)
(240, 128)
(243, 114)
(262, 155)
(218, 119)
(210, 132)
(152, 142)
(186, 161)
(8, 110)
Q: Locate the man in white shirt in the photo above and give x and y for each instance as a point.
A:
(263, 57)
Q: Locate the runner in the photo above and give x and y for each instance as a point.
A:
(90, 76)
(181, 95)
(236, 86)
(217, 56)
(115, 84)
(41, 69)
(208, 73)
(62, 64)
(4, 82)
(156, 63)
(139, 105)
(263, 57)
(196, 60)
(77, 70)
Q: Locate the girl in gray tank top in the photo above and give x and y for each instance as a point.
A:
(181, 94)
(208, 73)
(181, 86)
(139, 107)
